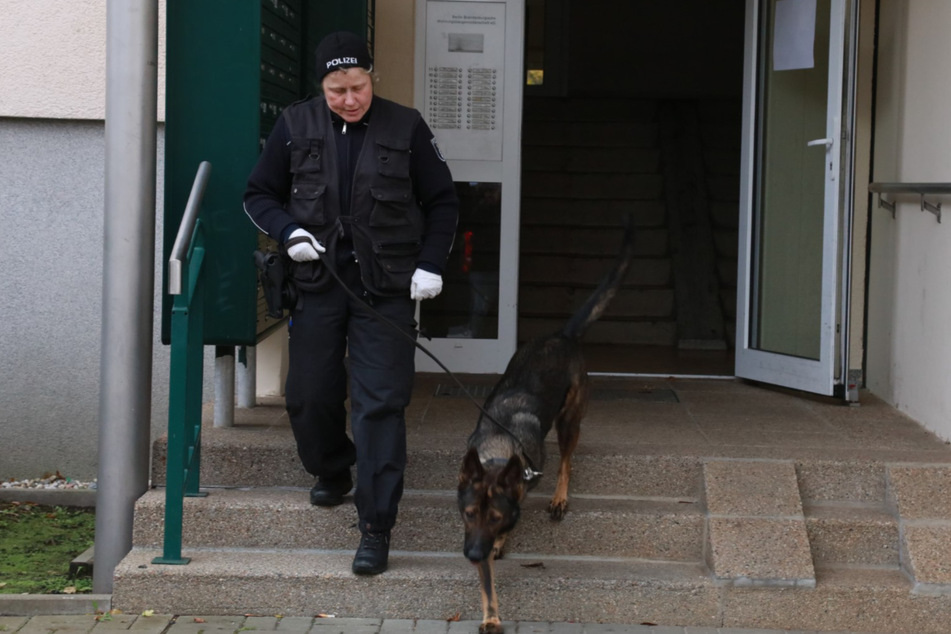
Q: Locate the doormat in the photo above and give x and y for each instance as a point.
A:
(663, 395)
(477, 391)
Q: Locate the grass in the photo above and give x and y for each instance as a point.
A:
(37, 544)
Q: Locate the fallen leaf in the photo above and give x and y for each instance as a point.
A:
(198, 619)
(2, 583)
(69, 590)
(455, 617)
(537, 564)
(148, 613)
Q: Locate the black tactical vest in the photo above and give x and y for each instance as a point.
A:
(385, 219)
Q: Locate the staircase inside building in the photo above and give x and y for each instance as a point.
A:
(673, 165)
(692, 503)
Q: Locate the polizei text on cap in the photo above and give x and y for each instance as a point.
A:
(352, 61)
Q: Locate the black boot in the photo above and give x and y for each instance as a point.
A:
(330, 492)
(373, 553)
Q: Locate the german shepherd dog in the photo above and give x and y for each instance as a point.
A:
(545, 383)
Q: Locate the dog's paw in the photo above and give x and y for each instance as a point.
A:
(558, 509)
(491, 626)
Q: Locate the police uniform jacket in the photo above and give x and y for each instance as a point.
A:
(378, 186)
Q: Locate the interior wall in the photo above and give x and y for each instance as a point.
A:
(675, 48)
(909, 342)
(395, 48)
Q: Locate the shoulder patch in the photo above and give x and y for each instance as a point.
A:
(438, 153)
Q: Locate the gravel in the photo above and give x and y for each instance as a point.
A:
(55, 481)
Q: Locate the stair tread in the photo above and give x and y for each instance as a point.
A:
(429, 521)
(530, 588)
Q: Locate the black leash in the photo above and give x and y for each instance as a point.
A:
(530, 473)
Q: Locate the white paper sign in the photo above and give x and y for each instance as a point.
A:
(794, 34)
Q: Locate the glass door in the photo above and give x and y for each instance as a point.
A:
(792, 195)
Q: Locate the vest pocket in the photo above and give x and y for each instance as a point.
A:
(392, 158)
(395, 264)
(306, 204)
(391, 206)
(306, 155)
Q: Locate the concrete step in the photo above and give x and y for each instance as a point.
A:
(583, 269)
(592, 187)
(591, 241)
(437, 586)
(530, 588)
(919, 496)
(561, 300)
(590, 108)
(611, 160)
(650, 331)
(852, 535)
(612, 527)
(266, 457)
(584, 213)
(600, 133)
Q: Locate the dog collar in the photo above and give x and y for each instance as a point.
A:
(529, 475)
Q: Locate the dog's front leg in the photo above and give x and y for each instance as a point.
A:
(498, 548)
(491, 624)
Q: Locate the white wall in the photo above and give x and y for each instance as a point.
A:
(909, 334)
(53, 59)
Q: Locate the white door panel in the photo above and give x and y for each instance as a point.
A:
(791, 202)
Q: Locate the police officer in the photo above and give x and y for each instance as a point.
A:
(354, 182)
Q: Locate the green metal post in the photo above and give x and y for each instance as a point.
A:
(184, 405)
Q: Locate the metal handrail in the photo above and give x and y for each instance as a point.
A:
(183, 452)
(920, 189)
(185, 230)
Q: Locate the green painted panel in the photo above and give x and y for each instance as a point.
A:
(212, 114)
(231, 67)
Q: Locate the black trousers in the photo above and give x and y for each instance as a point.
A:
(325, 327)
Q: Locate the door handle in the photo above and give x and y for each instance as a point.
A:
(825, 142)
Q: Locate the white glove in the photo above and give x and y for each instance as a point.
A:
(304, 251)
(425, 285)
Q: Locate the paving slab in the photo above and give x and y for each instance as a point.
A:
(12, 623)
(71, 624)
(203, 623)
(62, 604)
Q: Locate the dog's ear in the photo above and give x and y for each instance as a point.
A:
(511, 476)
(472, 468)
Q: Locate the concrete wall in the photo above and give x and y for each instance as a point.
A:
(52, 152)
(909, 317)
(51, 211)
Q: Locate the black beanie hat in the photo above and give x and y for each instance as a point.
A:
(341, 50)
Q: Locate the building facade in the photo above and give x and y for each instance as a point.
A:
(659, 56)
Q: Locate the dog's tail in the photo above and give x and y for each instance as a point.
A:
(598, 302)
